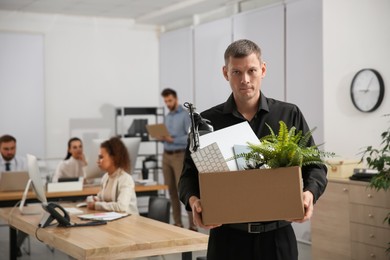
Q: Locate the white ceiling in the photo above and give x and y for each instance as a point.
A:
(151, 12)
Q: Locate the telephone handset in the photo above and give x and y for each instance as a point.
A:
(56, 212)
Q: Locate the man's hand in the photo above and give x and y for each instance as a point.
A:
(308, 206)
(164, 138)
(196, 207)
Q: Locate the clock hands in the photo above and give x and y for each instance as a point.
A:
(368, 86)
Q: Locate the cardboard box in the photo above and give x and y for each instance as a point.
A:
(251, 195)
(342, 168)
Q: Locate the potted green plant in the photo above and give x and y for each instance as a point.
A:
(287, 148)
(379, 159)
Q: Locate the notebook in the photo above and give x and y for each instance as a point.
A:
(13, 180)
(157, 130)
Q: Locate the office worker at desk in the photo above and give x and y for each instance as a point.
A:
(117, 192)
(245, 69)
(9, 161)
(74, 163)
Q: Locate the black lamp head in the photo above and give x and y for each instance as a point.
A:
(199, 126)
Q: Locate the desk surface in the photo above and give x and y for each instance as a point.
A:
(89, 190)
(129, 237)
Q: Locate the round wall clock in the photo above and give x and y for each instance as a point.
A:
(367, 90)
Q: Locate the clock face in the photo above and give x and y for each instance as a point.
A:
(367, 90)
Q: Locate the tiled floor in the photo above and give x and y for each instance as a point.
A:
(40, 251)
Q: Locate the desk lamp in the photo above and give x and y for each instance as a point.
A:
(199, 126)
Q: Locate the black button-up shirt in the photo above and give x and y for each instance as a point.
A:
(270, 112)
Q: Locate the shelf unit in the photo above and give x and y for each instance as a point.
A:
(124, 117)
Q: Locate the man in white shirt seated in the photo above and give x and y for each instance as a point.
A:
(8, 159)
(10, 162)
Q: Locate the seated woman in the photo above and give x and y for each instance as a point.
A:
(74, 164)
(117, 192)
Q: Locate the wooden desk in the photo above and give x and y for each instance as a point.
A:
(129, 237)
(10, 198)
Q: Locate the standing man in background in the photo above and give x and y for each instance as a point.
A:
(10, 162)
(178, 123)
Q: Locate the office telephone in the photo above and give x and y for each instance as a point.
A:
(56, 212)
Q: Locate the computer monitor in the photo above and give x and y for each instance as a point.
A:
(37, 184)
(93, 171)
(132, 144)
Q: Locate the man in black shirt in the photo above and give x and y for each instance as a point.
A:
(244, 69)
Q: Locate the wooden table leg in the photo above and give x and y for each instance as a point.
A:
(12, 244)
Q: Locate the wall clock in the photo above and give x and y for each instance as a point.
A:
(367, 90)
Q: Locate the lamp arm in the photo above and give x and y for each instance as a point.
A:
(194, 134)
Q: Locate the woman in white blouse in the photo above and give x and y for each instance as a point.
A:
(117, 192)
(73, 165)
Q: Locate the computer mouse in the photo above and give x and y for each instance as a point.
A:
(81, 205)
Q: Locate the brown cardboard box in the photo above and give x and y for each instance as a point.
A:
(251, 195)
(342, 168)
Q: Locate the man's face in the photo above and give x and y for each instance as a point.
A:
(170, 102)
(245, 76)
(8, 150)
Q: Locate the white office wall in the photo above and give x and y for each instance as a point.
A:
(265, 26)
(91, 65)
(356, 36)
(176, 64)
(210, 42)
(304, 82)
(22, 110)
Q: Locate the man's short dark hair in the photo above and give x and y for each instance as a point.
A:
(242, 48)
(167, 92)
(7, 138)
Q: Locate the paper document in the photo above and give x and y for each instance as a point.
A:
(107, 216)
(157, 130)
(226, 138)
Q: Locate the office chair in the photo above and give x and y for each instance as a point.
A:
(159, 209)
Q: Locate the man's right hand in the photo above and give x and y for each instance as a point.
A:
(196, 207)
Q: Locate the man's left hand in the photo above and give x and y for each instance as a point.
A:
(308, 206)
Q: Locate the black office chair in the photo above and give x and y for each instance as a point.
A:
(159, 209)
